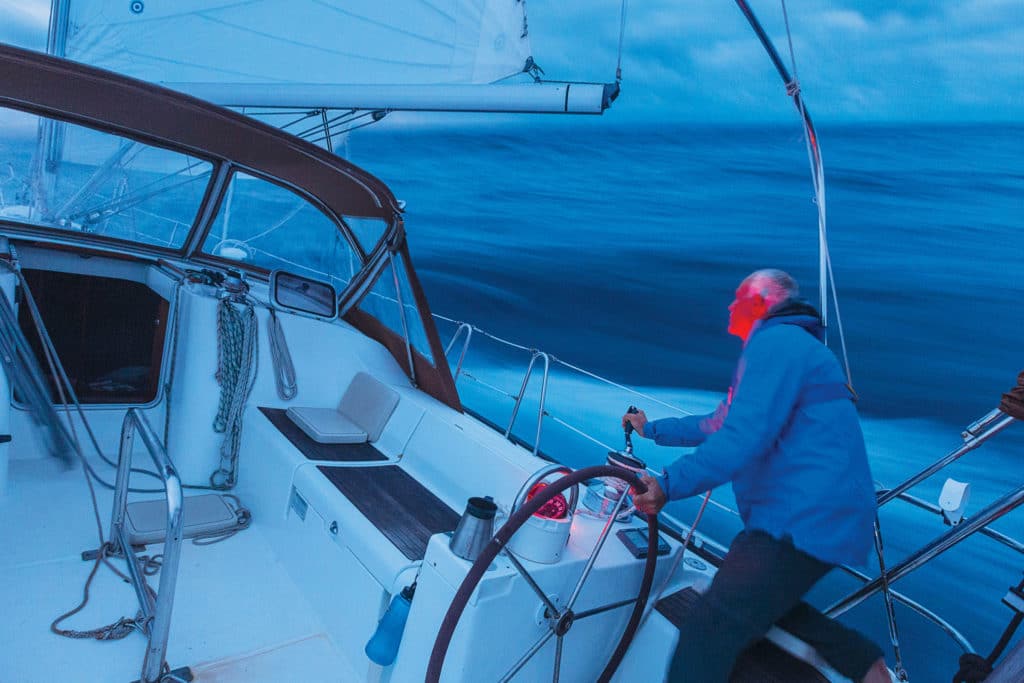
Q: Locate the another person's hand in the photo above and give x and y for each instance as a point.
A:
(652, 501)
(637, 419)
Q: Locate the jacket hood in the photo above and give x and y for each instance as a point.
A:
(795, 312)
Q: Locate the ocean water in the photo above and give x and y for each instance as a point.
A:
(618, 249)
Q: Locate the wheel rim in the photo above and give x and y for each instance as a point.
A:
(563, 621)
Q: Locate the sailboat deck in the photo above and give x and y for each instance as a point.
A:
(238, 614)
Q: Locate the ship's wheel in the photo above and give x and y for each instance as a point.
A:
(559, 620)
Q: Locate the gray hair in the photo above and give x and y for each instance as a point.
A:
(774, 285)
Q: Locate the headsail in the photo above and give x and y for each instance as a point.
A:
(434, 55)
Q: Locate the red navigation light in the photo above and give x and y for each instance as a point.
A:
(556, 508)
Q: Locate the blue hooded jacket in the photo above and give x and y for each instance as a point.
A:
(789, 440)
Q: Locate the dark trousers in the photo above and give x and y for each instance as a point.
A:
(759, 584)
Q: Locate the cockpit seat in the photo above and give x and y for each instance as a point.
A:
(360, 417)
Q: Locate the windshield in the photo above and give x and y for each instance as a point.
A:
(70, 178)
(75, 179)
(271, 227)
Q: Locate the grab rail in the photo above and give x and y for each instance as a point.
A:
(156, 610)
(991, 424)
(1009, 542)
(931, 550)
(468, 329)
(522, 391)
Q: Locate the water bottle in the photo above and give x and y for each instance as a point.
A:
(382, 648)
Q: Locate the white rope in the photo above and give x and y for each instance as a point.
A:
(284, 368)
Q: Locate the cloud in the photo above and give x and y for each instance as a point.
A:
(24, 23)
(857, 59)
(848, 20)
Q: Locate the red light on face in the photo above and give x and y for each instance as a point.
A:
(556, 508)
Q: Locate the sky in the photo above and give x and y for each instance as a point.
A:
(698, 60)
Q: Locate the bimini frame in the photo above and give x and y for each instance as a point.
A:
(71, 92)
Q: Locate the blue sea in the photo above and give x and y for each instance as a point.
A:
(617, 249)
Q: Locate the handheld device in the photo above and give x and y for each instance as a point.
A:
(635, 539)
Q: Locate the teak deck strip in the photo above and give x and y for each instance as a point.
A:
(401, 507)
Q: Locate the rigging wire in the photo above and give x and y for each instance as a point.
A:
(826, 276)
(374, 115)
(622, 32)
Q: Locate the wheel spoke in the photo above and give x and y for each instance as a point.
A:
(526, 658)
(597, 549)
(553, 612)
(558, 658)
(606, 608)
(559, 621)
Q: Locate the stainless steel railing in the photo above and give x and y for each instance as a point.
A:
(522, 392)
(973, 436)
(156, 609)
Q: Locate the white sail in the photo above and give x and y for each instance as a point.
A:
(219, 49)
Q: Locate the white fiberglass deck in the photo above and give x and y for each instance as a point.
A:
(238, 615)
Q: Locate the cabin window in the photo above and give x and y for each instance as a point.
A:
(86, 181)
(108, 333)
(382, 302)
(268, 226)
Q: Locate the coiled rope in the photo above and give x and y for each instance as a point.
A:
(237, 363)
(121, 628)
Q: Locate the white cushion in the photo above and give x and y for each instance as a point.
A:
(146, 521)
(327, 425)
(365, 408)
(369, 404)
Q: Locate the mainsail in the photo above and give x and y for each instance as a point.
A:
(426, 55)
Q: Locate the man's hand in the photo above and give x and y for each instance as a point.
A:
(637, 419)
(652, 501)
